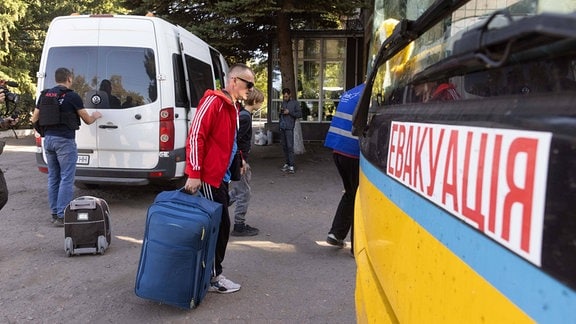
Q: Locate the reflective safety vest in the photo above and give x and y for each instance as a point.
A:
(339, 136)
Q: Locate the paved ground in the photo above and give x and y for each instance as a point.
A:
(288, 273)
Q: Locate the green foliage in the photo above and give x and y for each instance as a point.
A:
(10, 13)
(261, 75)
(241, 29)
(23, 26)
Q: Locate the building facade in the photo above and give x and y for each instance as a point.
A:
(326, 64)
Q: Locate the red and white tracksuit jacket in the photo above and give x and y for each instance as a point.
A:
(211, 138)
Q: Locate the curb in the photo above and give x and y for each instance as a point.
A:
(19, 132)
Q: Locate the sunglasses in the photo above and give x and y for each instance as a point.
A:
(249, 84)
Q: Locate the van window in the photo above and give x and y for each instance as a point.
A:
(218, 70)
(180, 96)
(201, 78)
(107, 77)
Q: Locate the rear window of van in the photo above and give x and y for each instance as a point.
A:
(107, 77)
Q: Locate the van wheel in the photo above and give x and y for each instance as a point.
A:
(83, 185)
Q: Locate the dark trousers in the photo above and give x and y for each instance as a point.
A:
(344, 218)
(219, 195)
(287, 140)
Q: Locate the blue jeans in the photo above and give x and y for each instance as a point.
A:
(61, 155)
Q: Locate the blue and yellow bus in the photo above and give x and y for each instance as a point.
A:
(466, 208)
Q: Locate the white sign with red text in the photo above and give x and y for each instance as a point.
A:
(493, 179)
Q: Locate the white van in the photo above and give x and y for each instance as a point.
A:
(157, 72)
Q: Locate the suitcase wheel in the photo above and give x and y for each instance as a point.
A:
(68, 246)
(102, 244)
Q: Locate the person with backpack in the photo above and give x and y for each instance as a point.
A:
(57, 115)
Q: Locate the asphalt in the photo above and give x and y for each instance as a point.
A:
(289, 274)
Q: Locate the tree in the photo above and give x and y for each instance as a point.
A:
(11, 58)
(23, 26)
(241, 29)
(11, 15)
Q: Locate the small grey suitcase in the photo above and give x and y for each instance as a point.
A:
(86, 226)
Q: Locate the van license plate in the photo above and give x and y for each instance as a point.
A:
(83, 159)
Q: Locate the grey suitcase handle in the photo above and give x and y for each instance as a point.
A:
(84, 202)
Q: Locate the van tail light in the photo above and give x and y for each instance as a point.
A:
(166, 138)
(37, 139)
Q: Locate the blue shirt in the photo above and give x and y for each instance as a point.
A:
(228, 175)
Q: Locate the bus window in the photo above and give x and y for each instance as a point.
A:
(465, 208)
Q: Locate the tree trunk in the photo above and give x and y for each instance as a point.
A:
(286, 58)
(285, 52)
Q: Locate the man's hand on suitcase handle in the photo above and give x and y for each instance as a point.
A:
(192, 185)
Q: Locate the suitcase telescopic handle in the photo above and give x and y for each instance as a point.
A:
(83, 203)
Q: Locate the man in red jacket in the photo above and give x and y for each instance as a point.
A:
(209, 151)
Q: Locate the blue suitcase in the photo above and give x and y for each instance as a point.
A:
(178, 250)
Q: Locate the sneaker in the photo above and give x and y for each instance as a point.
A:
(58, 222)
(285, 167)
(244, 230)
(332, 240)
(291, 169)
(222, 285)
(54, 218)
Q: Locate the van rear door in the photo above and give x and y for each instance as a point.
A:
(114, 65)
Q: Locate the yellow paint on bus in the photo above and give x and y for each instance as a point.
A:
(405, 275)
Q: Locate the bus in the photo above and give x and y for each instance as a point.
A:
(466, 207)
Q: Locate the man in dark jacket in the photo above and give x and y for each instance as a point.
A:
(289, 112)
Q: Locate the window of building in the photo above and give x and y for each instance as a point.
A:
(320, 68)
